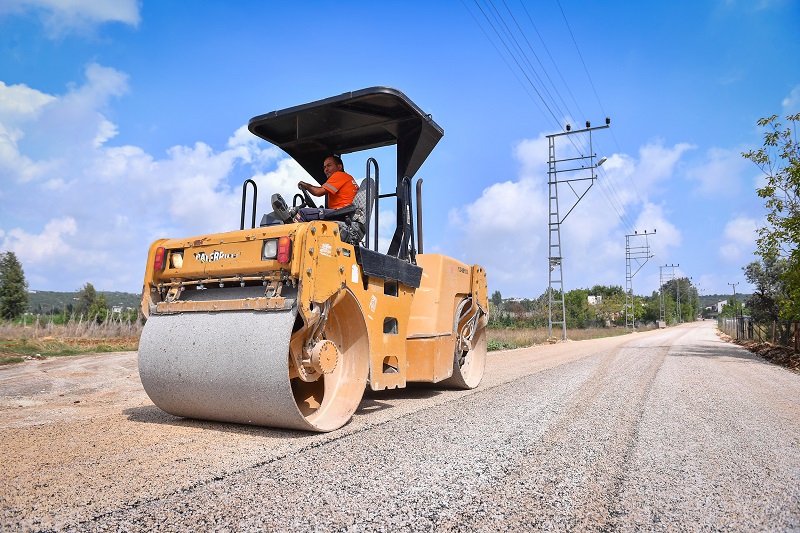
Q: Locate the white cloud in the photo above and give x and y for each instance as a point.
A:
(65, 16)
(791, 104)
(719, 173)
(738, 239)
(506, 228)
(84, 210)
(667, 236)
(20, 100)
(48, 247)
(657, 163)
(56, 131)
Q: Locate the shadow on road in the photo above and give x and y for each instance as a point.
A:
(150, 414)
(374, 401)
(728, 352)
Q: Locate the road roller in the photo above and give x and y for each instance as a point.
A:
(286, 324)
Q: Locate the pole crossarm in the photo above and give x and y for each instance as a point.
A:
(572, 132)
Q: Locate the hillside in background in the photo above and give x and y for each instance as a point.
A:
(48, 302)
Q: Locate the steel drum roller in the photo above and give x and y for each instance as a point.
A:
(234, 367)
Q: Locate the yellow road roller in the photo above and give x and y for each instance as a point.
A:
(285, 324)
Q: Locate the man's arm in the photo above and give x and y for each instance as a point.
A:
(313, 189)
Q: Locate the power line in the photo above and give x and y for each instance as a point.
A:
(542, 85)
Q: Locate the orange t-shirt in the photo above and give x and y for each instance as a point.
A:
(341, 189)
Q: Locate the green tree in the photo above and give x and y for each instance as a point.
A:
(99, 308)
(734, 308)
(651, 307)
(13, 287)
(497, 299)
(611, 303)
(86, 297)
(779, 160)
(579, 313)
(683, 290)
(768, 278)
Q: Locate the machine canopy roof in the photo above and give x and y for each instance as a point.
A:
(351, 122)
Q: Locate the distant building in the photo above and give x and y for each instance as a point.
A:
(594, 300)
(719, 305)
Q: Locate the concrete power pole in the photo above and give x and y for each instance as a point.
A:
(557, 313)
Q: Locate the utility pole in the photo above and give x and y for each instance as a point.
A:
(640, 254)
(676, 283)
(662, 313)
(556, 274)
(735, 314)
(689, 290)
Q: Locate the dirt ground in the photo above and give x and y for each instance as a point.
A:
(777, 355)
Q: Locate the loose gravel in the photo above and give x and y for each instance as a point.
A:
(664, 430)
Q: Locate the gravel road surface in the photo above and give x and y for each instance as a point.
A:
(660, 431)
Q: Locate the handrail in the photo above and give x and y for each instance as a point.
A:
(412, 251)
(369, 202)
(419, 215)
(244, 198)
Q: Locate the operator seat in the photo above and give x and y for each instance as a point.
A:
(353, 219)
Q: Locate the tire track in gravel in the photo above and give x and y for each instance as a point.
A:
(572, 476)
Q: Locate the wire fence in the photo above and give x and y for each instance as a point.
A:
(746, 329)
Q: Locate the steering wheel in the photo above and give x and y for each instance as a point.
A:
(307, 197)
(279, 207)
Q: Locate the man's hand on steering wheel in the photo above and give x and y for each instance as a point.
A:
(306, 196)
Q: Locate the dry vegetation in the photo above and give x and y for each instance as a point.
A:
(41, 337)
(501, 339)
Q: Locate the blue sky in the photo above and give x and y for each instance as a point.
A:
(123, 122)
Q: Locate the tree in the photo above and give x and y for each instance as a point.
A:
(683, 290)
(651, 308)
(86, 297)
(768, 278)
(779, 160)
(579, 313)
(99, 308)
(497, 299)
(13, 287)
(611, 303)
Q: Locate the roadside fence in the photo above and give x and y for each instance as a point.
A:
(777, 333)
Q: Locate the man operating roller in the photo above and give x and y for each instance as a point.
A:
(340, 187)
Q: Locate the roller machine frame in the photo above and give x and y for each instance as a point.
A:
(286, 324)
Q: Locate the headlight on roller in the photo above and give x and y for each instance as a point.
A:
(270, 250)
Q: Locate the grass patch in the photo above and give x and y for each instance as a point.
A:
(15, 350)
